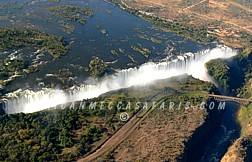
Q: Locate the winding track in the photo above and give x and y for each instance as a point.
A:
(133, 123)
(216, 19)
(121, 134)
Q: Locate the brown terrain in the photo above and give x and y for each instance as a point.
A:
(225, 19)
(165, 136)
(240, 151)
(120, 135)
(162, 136)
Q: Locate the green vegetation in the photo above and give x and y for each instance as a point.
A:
(32, 69)
(109, 12)
(61, 134)
(235, 76)
(151, 9)
(193, 132)
(242, 147)
(10, 67)
(72, 13)
(56, 135)
(131, 58)
(73, 132)
(244, 61)
(241, 150)
(198, 34)
(13, 38)
(104, 31)
(114, 52)
(97, 67)
(154, 40)
(190, 31)
(220, 71)
(88, 12)
(245, 119)
(67, 28)
(121, 50)
(189, 26)
(144, 51)
(54, 0)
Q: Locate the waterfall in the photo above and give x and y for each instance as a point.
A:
(190, 63)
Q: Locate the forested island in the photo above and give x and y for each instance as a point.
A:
(14, 38)
(71, 13)
(80, 53)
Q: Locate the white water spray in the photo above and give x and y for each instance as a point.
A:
(193, 64)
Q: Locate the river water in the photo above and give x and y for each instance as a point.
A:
(222, 139)
(123, 31)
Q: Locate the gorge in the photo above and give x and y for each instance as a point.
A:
(28, 101)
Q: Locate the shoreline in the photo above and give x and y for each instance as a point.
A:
(202, 36)
(157, 21)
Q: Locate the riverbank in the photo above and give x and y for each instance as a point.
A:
(192, 32)
(41, 44)
(81, 131)
(178, 18)
(223, 71)
(242, 147)
(45, 136)
(101, 36)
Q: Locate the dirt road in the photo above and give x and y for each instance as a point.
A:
(121, 134)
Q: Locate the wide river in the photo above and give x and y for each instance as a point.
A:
(123, 31)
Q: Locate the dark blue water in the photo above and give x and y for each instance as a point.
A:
(222, 140)
(123, 29)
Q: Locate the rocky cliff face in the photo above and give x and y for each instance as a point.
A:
(171, 136)
(240, 151)
(195, 146)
